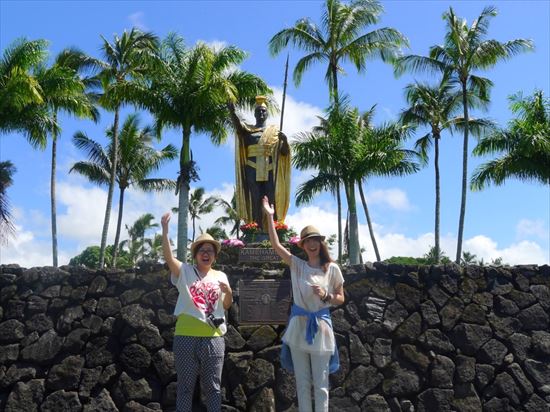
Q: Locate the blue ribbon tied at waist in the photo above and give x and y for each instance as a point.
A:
(312, 327)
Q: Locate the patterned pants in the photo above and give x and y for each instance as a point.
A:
(203, 357)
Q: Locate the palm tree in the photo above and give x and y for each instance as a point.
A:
(434, 107)
(127, 58)
(339, 40)
(136, 243)
(190, 91)
(323, 182)
(138, 159)
(331, 149)
(350, 152)
(217, 232)
(343, 128)
(381, 153)
(230, 216)
(525, 145)
(333, 186)
(467, 258)
(308, 152)
(199, 206)
(63, 90)
(7, 170)
(497, 262)
(21, 96)
(155, 248)
(434, 257)
(464, 51)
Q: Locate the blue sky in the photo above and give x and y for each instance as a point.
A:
(510, 221)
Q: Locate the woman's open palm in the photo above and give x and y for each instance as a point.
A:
(267, 207)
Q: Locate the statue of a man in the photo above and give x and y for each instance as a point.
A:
(262, 165)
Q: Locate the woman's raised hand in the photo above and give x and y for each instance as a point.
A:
(164, 221)
(268, 209)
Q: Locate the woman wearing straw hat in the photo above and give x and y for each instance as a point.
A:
(309, 347)
(204, 295)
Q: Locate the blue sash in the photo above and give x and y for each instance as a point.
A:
(311, 330)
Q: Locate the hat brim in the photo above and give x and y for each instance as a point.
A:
(313, 235)
(196, 245)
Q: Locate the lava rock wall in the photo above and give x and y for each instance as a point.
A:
(410, 338)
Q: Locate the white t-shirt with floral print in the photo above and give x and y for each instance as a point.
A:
(197, 297)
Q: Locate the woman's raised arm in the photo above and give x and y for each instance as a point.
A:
(273, 238)
(173, 263)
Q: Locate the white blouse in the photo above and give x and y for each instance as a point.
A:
(303, 277)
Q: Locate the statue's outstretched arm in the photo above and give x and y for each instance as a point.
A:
(237, 122)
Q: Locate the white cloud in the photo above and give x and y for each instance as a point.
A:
(28, 251)
(225, 191)
(398, 244)
(217, 45)
(298, 116)
(526, 228)
(324, 219)
(84, 214)
(524, 252)
(137, 19)
(394, 198)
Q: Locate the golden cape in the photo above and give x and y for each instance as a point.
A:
(270, 140)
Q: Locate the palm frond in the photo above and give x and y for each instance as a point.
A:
(414, 64)
(93, 171)
(156, 185)
(322, 182)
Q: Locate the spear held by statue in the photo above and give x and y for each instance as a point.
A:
(282, 114)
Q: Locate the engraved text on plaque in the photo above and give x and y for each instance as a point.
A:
(264, 301)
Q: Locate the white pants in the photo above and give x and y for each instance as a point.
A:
(306, 366)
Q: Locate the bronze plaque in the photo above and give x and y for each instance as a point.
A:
(258, 255)
(264, 302)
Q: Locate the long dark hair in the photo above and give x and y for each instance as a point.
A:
(324, 256)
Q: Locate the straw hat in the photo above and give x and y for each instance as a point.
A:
(307, 232)
(204, 238)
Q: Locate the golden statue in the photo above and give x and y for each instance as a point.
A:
(262, 165)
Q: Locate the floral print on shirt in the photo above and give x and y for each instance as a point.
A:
(204, 295)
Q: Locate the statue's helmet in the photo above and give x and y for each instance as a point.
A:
(261, 101)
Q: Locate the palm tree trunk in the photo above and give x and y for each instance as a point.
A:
(183, 201)
(437, 196)
(334, 91)
(52, 195)
(353, 225)
(369, 222)
(193, 218)
(110, 191)
(118, 226)
(339, 203)
(346, 236)
(464, 175)
(143, 245)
